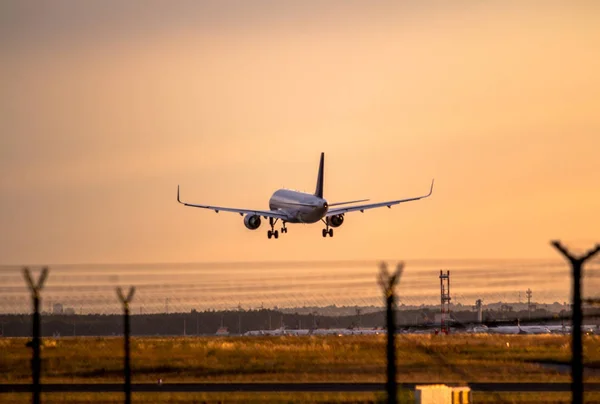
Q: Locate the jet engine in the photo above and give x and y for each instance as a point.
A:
(252, 222)
(335, 221)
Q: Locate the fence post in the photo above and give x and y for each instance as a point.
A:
(388, 282)
(35, 344)
(127, 368)
(576, 343)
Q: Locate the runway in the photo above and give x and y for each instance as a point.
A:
(280, 387)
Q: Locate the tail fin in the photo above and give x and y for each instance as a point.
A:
(319, 190)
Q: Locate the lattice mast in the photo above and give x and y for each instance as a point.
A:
(445, 301)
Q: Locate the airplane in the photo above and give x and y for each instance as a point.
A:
(298, 207)
(519, 329)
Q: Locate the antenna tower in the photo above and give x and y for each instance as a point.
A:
(445, 300)
(479, 307)
(529, 293)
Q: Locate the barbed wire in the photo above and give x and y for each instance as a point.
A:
(89, 288)
(292, 263)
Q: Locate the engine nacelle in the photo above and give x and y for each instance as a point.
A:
(252, 222)
(336, 221)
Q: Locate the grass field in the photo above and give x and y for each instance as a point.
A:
(421, 358)
(272, 398)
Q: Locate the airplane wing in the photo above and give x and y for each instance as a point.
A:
(389, 204)
(347, 203)
(264, 213)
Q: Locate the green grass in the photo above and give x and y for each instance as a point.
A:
(421, 358)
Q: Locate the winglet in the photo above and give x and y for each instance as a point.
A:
(178, 200)
(431, 189)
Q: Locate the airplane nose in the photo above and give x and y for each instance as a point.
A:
(325, 205)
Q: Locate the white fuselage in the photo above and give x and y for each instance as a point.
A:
(300, 207)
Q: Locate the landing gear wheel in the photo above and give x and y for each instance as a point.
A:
(272, 232)
(324, 232)
(330, 232)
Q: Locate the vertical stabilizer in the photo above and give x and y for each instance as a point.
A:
(319, 190)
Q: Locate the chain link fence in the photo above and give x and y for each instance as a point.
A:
(80, 311)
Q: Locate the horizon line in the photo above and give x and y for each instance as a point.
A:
(287, 262)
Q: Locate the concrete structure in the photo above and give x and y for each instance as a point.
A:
(442, 394)
(479, 308)
(461, 395)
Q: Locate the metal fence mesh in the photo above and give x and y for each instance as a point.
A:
(80, 307)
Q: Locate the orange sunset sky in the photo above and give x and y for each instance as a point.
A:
(107, 106)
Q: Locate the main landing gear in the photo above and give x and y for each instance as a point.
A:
(327, 230)
(273, 232)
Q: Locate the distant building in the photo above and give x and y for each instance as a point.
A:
(222, 331)
(437, 319)
(57, 308)
(69, 311)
